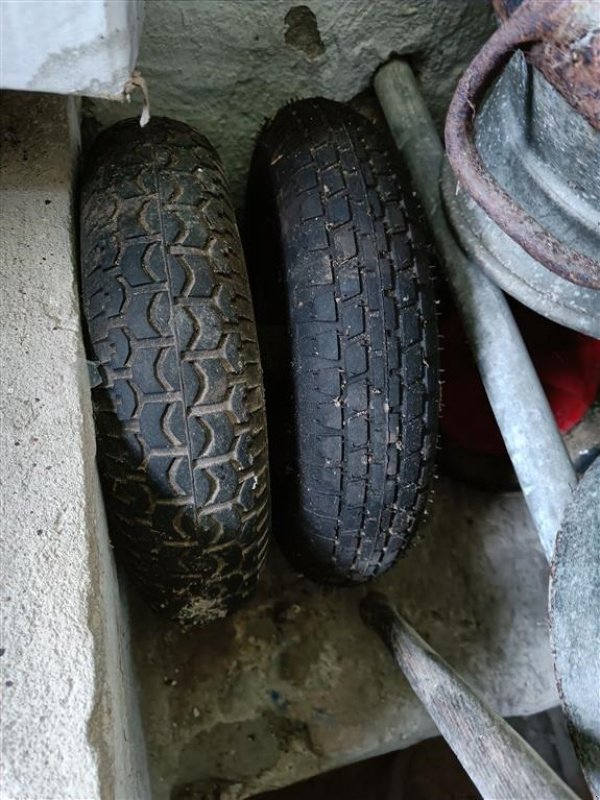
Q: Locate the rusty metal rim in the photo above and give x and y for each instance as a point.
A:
(513, 270)
(572, 69)
(533, 21)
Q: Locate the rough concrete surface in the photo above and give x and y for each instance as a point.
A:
(295, 684)
(69, 725)
(225, 65)
(69, 46)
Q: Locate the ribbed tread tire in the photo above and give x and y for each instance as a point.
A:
(181, 431)
(362, 423)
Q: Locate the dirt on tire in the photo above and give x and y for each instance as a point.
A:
(181, 431)
(338, 264)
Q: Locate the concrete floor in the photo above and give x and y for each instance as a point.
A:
(430, 770)
(295, 684)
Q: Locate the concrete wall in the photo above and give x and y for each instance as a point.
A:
(70, 726)
(225, 65)
(69, 46)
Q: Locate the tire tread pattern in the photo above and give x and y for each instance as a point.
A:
(361, 315)
(180, 420)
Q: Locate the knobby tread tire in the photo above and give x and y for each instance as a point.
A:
(362, 422)
(181, 431)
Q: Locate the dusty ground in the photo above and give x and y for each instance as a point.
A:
(295, 684)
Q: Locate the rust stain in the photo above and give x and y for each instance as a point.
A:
(566, 42)
(572, 67)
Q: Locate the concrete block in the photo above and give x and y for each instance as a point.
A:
(86, 47)
(70, 723)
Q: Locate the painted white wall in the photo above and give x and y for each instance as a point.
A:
(86, 47)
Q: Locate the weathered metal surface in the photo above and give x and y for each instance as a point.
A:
(543, 153)
(572, 68)
(575, 621)
(575, 71)
(536, 449)
(558, 21)
(520, 406)
(498, 761)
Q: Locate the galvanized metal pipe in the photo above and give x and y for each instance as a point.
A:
(524, 417)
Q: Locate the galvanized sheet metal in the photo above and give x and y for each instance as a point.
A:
(548, 157)
(575, 621)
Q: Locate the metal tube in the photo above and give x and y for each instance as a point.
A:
(575, 622)
(532, 439)
(499, 762)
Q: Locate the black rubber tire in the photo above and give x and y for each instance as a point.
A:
(331, 236)
(182, 448)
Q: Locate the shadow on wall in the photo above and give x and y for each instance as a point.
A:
(225, 65)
